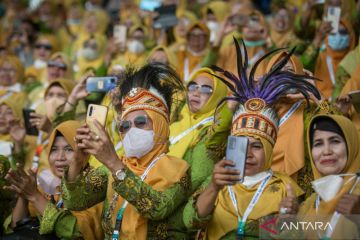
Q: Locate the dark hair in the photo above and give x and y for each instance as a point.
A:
(324, 123)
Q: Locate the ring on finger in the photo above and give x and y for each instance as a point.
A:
(97, 137)
(283, 210)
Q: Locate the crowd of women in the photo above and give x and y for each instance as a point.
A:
(282, 74)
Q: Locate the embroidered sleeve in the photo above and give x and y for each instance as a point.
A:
(218, 133)
(59, 221)
(191, 218)
(88, 189)
(152, 204)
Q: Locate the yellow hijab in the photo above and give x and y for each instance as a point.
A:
(289, 158)
(219, 8)
(85, 64)
(167, 171)
(190, 119)
(102, 19)
(66, 84)
(16, 63)
(225, 219)
(325, 210)
(88, 220)
(169, 54)
(283, 39)
(66, 60)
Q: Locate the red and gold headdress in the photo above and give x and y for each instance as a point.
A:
(255, 115)
(143, 99)
(151, 87)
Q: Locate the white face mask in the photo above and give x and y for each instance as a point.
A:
(250, 181)
(89, 53)
(135, 46)
(51, 106)
(138, 142)
(214, 28)
(327, 187)
(38, 63)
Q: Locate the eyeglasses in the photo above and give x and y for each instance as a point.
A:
(204, 89)
(139, 122)
(57, 65)
(43, 46)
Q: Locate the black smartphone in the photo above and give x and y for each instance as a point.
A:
(30, 130)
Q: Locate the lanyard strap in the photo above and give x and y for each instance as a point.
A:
(330, 69)
(60, 203)
(256, 57)
(174, 140)
(39, 148)
(121, 211)
(6, 96)
(187, 73)
(290, 112)
(250, 207)
(335, 217)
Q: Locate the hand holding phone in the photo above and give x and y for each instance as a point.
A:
(236, 151)
(30, 129)
(98, 113)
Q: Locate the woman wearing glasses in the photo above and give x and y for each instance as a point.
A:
(141, 190)
(188, 135)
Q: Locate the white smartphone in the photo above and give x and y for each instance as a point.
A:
(355, 99)
(120, 33)
(236, 151)
(333, 16)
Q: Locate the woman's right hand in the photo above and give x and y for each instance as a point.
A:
(224, 175)
(79, 92)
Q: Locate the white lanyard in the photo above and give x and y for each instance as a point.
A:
(255, 57)
(254, 200)
(335, 217)
(331, 69)
(187, 69)
(174, 140)
(143, 176)
(122, 209)
(290, 112)
(6, 96)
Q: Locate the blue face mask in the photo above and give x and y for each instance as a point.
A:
(339, 41)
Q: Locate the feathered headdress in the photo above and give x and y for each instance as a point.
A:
(255, 114)
(151, 87)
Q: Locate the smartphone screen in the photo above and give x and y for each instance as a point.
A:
(30, 130)
(236, 151)
(101, 84)
(98, 113)
(120, 33)
(333, 16)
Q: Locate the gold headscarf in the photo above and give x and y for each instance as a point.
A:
(289, 158)
(66, 84)
(16, 63)
(167, 170)
(169, 54)
(220, 9)
(88, 220)
(53, 57)
(282, 39)
(52, 39)
(85, 64)
(190, 119)
(102, 20)
(308, 210)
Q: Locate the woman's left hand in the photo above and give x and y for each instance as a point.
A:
(349, 204)
(22, 183)
(99, 145)
(289, 204)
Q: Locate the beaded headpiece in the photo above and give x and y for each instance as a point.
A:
(151, 87)
(255, 115)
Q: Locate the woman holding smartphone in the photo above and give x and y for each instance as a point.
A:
(141, 190)
(226, 208)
